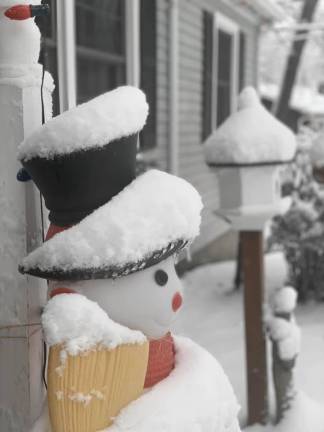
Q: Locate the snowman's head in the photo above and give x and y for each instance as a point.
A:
(19, 40)
(147, 300)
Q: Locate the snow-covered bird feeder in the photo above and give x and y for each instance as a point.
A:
(247, 152)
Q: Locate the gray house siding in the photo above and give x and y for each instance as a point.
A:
(191, 163)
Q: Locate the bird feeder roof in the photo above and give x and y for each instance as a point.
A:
(250, 136)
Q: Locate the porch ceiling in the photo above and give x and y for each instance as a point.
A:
(268, 10)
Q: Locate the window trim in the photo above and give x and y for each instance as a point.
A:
(66, 53)
(133, 50)
(222, 22)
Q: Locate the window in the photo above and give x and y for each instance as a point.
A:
(100, 40)
(226, 87)
(101, 55)
(224, 57)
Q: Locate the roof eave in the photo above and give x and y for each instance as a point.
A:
(268, 10)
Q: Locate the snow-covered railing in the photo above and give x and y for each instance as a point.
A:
(285, 336)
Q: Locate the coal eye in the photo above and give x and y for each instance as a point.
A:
(161, 277)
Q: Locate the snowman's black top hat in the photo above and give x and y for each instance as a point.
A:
(75, 184)
(82, 158)
(86, 171)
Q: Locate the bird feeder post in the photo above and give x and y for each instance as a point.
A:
(255, 338)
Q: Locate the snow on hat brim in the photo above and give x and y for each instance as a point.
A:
(154, 217)
(250, 136)
(118, 113)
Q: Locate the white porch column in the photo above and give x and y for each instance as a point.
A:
(21, 298)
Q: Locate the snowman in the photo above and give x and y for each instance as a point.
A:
(19, 36)
(109, 257)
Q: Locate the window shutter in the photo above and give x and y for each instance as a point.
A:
(242, 60)
(148, 69)
(224, 75)
(208, 23)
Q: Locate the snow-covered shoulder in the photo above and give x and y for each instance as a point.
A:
(251, 135)
(195, 397)
(155, 210)
(119, 113)
(80, 324)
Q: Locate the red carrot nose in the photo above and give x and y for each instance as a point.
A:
(61, 290)
(176, 301)
(19, 12)
(23, 12)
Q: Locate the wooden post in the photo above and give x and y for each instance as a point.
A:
(253, 271)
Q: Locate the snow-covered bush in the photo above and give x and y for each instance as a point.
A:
(300, 231)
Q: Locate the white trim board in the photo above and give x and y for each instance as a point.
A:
(66, 53)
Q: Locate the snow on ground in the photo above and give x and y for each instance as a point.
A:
(212, 315)
(305, 416)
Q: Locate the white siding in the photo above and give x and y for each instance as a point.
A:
(191, 162)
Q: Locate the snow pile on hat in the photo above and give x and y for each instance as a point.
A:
(80, 324)
(152, 218)
(108, 117)
(250, 136)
